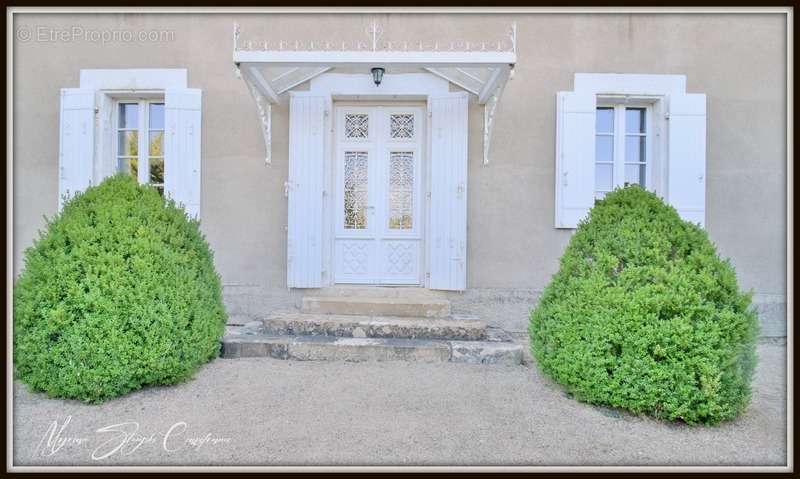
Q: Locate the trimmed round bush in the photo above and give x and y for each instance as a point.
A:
(117, 293)
(644, 315)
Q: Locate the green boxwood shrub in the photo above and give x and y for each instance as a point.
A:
(644, 315)
(117, 293)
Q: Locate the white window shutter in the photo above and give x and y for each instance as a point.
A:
(76, 142)
(575, 132)
(182, 175)
(447, 258)
(306, 145)
(686, 179)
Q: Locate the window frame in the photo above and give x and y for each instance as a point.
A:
(143, 128)
(652, 141)
(679, 155)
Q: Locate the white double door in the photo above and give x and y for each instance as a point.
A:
(378, 194)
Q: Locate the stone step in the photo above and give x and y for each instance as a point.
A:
(351, 291)
(401, 306)
(304, 324)
(330, 348)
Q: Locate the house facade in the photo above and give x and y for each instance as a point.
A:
(450, 152)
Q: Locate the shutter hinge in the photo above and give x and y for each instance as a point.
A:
(327, 112)
(666, 116)
(430, 113)
(428, 274)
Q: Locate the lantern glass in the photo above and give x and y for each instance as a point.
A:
(377, 75)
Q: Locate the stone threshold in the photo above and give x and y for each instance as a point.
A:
(360, 326)
(252, 341)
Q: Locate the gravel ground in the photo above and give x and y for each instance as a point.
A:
(272, 412)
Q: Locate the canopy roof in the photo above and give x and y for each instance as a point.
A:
(269, 73)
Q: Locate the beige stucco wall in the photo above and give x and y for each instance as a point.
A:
(737, 60)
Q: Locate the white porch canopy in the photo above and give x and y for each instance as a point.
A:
(481, 68)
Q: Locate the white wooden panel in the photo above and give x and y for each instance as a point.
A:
(447, 245)
(76, 142)
(339, 84)
(686, 181)
(297, 58)
(575, 131)
(355, 260)
(182, 157)
(400, 261)
(305, 187)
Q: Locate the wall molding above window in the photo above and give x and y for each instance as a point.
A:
(629, 84)
(133, 78)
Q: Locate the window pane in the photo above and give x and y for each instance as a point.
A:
(604, 148)
(634, 174)
(157, 170)
(356, 193)
(603, 177)
(401, 126)
(605, 120)
(156, 119)
(635, 149)
(128, 165)
(356, 125)
(128, 115)
(156, 143)
(634, 120)
(128, 143)
(401, 189)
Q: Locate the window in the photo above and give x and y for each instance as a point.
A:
(615, 129)
(140, 141)
(121, 117)
(356, 126)
(622, 147)
(402, 126)
(356, 189)
(401, 189)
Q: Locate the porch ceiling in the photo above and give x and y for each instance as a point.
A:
(269, 73)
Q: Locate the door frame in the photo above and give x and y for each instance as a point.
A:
(343, 87)
(377, 148)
